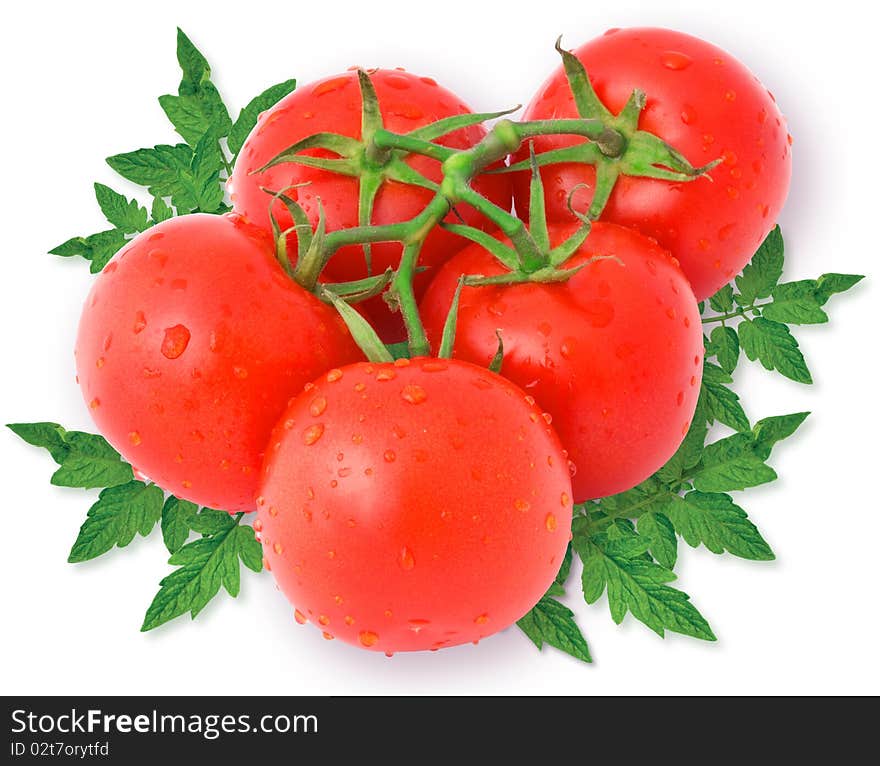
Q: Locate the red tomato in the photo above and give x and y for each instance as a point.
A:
(190, 344)
(333, 105)
(414, 505)
(705, 103)
(614, 354)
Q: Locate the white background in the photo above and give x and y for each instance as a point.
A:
(80, 82)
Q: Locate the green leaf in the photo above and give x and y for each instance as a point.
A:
(774, 347)
(720, 402)
(690, 451)
(120, 513)
(199, 187)
(796, 302)
(658, 529)
(160, 168)
(87, 460)
(724, 346)
(638, 586)
(91, 463)
(731, 464)
(722, 301)
(760, 276)
(198, 110)
(553, 623)
(49, 436)
(177, 519)
(557, 587)
(247, 118)
(714, 521)
(210, 522)
(97, 248)
(205, 565)
(634, 501)
(126, 215)
(160, 210)
(830, 284)
(192, 63)
(769, 431)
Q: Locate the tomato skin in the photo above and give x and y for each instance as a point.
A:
(705, 103)
(614, 354)
(414, 505)
(190, 343)
(333, 104)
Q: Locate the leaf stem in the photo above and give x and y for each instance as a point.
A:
(740, 312)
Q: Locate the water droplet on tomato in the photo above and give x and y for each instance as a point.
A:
(679, 399)
(329, 86)
(323, 620)
(564, 499)
(548, 418)
(240, 372)
(408, 112)
(497, 308)
(675, 60)
(313, 433)
(327, 636)
(135, 438)
(368, 638)
(550, 522)
(670, 312)
(160, 256)
(300, 617)
(334, 375)
(688, 114)
(389, 456)
(406, 559)
(480, 619)
(414, 394)
(521, 505)
(435, 365)
(318, 405)
(175, 341)
(398, 82)
(278, 548)
(567, 348)
(386, 374)
(730, 95)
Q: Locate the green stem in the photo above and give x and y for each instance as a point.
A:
(741, 312)
(402, 291)
(385, 139)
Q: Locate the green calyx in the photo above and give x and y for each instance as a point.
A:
(530, 256)
(614, 146)
(370, 160)
(621, 148)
